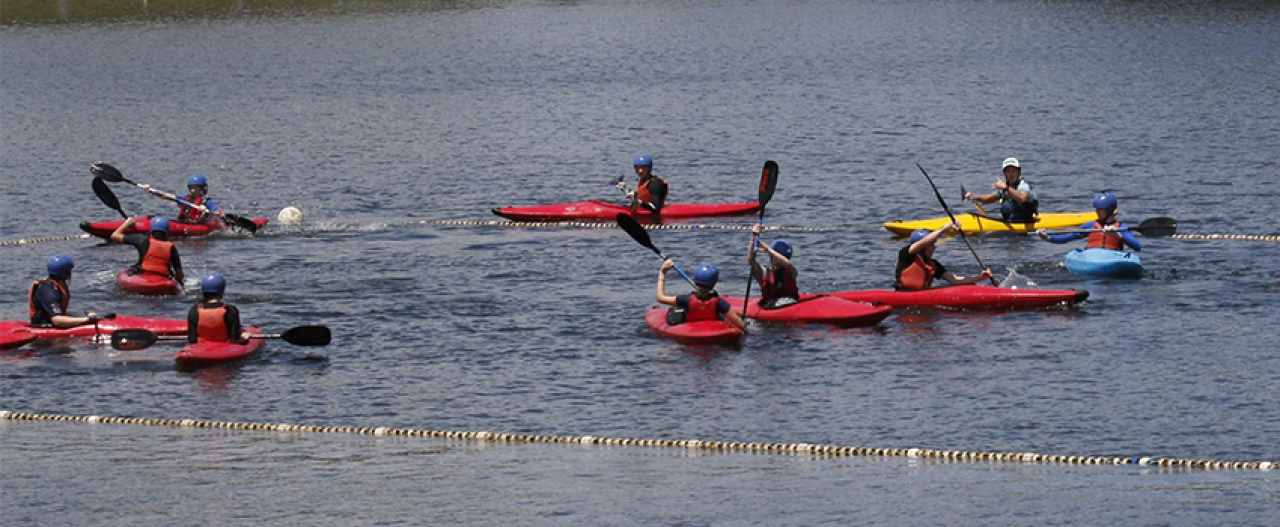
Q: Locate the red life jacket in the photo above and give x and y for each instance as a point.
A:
(1104, 240)
(702, 309)
(31, 297)
(213, 323)
(156, 261)
(191, 214)
(918, 275)
(643, 193)
(778, 284)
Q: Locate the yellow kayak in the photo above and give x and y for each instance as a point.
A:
(972, 223)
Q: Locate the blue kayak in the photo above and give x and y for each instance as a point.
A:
(1104, 263)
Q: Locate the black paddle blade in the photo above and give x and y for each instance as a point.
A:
(307, 336)
(636, 231)
(1158, 227)
(241, 222)
(768, 183)
(104, 171)
(107, 197)
(132, 339)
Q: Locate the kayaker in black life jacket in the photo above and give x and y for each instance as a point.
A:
(651, 191)
(212, 319)
(47, 299)
(1018, 203)
(1111, 237)
(778, 285)
(156, 254)
(916, 267)
(703, 304)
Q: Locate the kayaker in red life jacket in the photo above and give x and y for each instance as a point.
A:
(48, 299)
(778, 286)
(1112, 237)
(916, 267)
(704, 303)
(198, 190)
(156, 254)
(1018, 203)
(650, 191)
(212, 319)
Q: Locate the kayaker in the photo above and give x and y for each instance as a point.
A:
(212, 319)
(916, 267)
(1018, 203)
(48, 299)
(703, 304)
(1113, 235)
(156, 254)
(778, 286)
(651, 191)
(197, 194)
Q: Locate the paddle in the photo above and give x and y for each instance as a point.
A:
(1154, 227)
(768, 182)
(641, 236)
(953, 219)
(136, 339)
(107, 197)
(109, 173)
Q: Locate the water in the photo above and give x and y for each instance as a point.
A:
(377, 119)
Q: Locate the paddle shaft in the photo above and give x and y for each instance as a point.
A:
(1162, 226)
(641, 236)
(943, 202)
(768, 183)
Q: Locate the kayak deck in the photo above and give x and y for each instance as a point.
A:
(1104, 263)
(147, 284)
(214, 353)
(972, 223)
(816, 309)
(103, 229)
(601, 211)
(105, 327)
(700, 332)
(969, 297)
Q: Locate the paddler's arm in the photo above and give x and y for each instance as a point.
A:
(118, 234)
(733, 318)
(175, 262)
(959, 280)
(662, 296)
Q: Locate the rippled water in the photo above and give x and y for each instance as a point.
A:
(380, 120)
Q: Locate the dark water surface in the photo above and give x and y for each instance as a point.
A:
(379, 120)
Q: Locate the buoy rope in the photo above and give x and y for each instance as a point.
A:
(690, 444)
(1251, 237)
(25, 241)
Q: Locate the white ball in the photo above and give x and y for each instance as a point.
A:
(289, 216)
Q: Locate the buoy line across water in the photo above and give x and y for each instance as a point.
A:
(688, 444)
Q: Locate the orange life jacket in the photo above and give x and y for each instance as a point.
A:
(643, 193)
(702, 309)
(213, 323)
(191, 214)
(157, 259)
(918, 275)
(778, 284)
(31, 297)
(1104, 240)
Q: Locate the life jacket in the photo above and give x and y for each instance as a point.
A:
(918, 275)
(31, 297)
(213, 323)
(643, 193)
(191, 214)
(157, 259)
(1015, 212)
(778, 284)
(702, 309)
(1104, 240)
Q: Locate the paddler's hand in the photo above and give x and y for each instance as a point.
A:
(621, 185)
(1043, 234)
(757, 229)
(1000, 185)
(128, 222)
(1111, 228)
(968, 196)
(951, 227)
(667, 265)
(986, 274)
(93, 317)
(631, 194)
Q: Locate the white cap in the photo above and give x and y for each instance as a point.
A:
(1010, 162)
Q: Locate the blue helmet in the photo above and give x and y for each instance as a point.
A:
(919, 234)
(643, 160)
(781, 246)
(706, 275)
(213, 283)
(60, 266)
(160, 224)
(1105, 200)
(198, 180)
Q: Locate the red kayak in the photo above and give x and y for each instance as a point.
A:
(211, 353)
(148, 284)
(816, 309)
(10, 340)
(103, 229)
(159, 326)
(701, 332)
(970, 297)
(601, 211)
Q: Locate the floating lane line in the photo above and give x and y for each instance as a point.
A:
(26, 241)
(687, 444)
